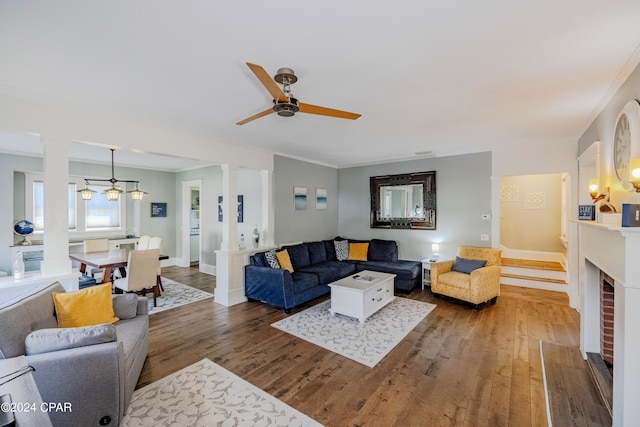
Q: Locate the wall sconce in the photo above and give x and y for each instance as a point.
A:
(593, 188)
(435, 252)
(634, 167)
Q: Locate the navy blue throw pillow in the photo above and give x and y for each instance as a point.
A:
(464, 265)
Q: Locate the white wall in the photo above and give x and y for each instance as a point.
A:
(532, 227)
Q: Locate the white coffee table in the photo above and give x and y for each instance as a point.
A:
(358, 297)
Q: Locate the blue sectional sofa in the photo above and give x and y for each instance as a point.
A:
(315, 265)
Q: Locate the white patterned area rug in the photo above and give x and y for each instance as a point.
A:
(366, 343)
(206, 394)
(175, 295)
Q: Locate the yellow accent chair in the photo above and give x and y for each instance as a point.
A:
(465, 279)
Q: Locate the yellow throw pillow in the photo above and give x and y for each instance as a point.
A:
(358, 251)
(284, 260)
(87, 307)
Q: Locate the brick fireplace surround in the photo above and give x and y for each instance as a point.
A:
(607, 300)
(616, 252)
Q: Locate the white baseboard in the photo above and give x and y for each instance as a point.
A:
(208, 269)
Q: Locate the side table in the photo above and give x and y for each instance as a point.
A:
(26, 403)
(426, 272)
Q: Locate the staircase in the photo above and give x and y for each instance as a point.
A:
(547, 275)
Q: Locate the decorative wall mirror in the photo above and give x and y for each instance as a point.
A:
(405, 201)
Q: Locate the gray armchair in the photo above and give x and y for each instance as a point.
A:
(94, 368)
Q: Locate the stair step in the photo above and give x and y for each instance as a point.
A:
(536, 279)
(528, 263)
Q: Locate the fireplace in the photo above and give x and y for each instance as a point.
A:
(608, 298)
(607, 294)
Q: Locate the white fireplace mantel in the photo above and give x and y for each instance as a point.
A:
(616, 251)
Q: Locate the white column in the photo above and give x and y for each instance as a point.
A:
(56, 207)
(229, 260)
(229, 208)
(268, 223)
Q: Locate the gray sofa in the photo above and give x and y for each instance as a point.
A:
(95, 369)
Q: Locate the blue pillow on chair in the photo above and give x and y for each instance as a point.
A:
(464, 265)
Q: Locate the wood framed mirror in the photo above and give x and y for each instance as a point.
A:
(404, 201)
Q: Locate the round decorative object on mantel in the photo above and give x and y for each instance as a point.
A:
(23, 228)
(625, 141)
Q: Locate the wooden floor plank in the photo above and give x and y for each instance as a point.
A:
(459, 366)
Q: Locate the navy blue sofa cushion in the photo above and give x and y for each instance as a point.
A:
(324, 272)
(299, 255)
(303, 281)
(382, 250)
(330, 249)
(317, 252)
(259, 259)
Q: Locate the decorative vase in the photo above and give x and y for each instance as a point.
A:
(256, 237)
(18, 267)
(241, 245)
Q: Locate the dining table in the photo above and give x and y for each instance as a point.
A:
(108, 261)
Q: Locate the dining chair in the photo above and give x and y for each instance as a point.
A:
(95, 245)
(142, 271)
(156, 243)
(143, 243)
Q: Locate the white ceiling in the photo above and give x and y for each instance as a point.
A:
(446, 77)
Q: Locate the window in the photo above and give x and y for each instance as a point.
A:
(101, 213)
(97, 215)
(38, 205)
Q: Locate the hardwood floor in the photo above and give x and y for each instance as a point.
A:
(457, 367)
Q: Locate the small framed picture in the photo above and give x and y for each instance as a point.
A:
(158, 210)
(321, 198)
(587, 212)
(300, 198)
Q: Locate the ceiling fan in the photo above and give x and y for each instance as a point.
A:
(283, 101)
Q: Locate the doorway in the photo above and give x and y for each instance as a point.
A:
(534, 230)
(191, 215)
(532, 212)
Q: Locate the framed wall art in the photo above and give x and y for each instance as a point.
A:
(299, 198)
(321, 198)
(158, 210)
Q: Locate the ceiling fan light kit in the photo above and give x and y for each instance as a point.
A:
(284, 104)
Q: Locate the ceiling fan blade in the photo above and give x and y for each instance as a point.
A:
(324, 111)
(268, 82)
(255, 116)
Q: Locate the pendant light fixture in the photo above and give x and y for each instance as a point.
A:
(112, 193)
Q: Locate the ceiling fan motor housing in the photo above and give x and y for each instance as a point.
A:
(286, 108)
(285, 76)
